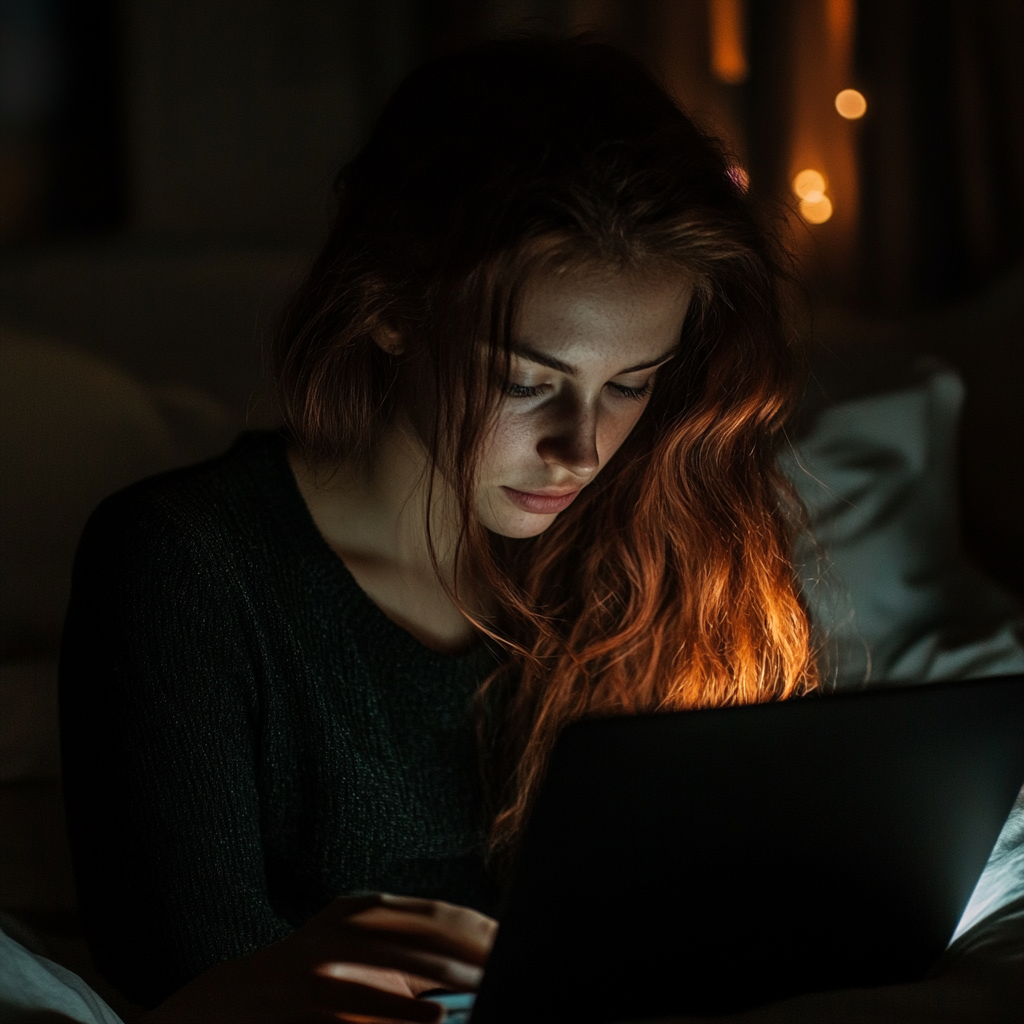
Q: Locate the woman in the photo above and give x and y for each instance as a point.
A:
(531, 390)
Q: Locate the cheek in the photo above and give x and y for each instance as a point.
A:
(615, 426)
(514, 440)
(510, 443)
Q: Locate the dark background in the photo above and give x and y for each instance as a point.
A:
(165, 170)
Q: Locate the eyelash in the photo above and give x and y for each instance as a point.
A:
(635, 394)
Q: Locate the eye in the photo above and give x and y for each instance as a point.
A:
(526, 391)
(637, 394)
(521, 391)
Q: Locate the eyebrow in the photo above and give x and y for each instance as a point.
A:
(556, 364)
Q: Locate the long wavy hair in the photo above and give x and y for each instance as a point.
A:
(668, 583)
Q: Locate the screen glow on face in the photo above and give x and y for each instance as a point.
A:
(585, 359)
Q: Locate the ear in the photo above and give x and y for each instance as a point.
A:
(389, 339)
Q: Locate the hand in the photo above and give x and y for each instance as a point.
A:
(363, 957)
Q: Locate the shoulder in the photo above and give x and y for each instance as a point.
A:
(187, 554)
(215, 511)
(206, 499)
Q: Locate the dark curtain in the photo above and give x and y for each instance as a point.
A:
(942, 154)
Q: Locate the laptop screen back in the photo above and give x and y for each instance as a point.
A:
(709, 861)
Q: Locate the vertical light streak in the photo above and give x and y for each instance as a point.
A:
(727, 28)
(839, 16)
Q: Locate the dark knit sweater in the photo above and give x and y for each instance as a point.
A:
(245, 734)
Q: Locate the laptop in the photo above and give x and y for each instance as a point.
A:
(710, 861)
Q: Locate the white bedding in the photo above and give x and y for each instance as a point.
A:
(34, 990)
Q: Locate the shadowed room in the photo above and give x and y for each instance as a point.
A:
(167, 173)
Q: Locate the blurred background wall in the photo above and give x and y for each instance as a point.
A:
(165, 171)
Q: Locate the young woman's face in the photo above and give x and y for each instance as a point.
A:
(586, 352)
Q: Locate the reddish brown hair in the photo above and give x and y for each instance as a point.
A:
(668, 583)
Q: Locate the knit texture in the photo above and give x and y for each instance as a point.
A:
(245, 735)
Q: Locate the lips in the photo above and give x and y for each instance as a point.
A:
(541, 504)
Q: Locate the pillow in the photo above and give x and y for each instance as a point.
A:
(73, 429)
(34, 988)
(887, 582)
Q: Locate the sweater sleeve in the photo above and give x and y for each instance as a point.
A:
(158, 713)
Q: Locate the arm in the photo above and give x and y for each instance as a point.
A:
(368, 956)
(157, 711)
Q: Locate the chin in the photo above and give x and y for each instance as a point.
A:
(527, 530)
(518, 526)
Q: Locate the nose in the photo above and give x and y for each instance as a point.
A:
(571, 441)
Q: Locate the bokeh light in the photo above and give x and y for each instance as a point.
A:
(816, 211)
(851, 104)
(809, 185)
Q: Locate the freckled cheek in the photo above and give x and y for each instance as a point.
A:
(514, 440)
(612, 430)
(513, 443)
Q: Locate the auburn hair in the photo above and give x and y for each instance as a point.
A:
(668, 583)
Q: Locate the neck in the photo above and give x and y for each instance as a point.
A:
(377, 512)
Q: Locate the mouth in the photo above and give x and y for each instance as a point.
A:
(540, 502)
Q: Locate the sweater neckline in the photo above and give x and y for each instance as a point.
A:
(330, 569)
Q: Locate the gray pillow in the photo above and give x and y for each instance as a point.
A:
(887, 582)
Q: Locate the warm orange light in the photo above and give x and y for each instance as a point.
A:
(851, 104)
(816, 211)
(810, 185)
(728, 46)
(840, 16)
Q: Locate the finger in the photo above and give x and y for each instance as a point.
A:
(391, 950)
(430, 908)
(445, 971)
(428, 916)
(386, 978)
(440, 927)
(346, 906)
(340, 996)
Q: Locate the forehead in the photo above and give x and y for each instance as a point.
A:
(602, 314)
